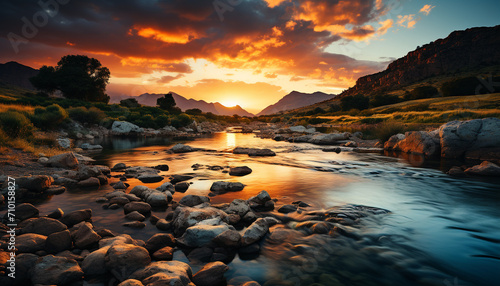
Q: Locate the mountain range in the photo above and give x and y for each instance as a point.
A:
(295, 100)
(17, 74)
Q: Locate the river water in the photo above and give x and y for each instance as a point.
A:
(441, 230)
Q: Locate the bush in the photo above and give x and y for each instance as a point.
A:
(194, 111)
(181, 120)
(162, 121)
(358, 101)
(384, 99)
(15, 124)
(385, 130)
(422, 92)
(461, 86)
(81, 114)
(49, 117)
(129, 102)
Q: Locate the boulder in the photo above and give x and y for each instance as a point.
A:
(419, 142)
(58, 242)
(165, 253)
(24, 211)
(119, 239)
(163, 224)
(287, 209)
(125, 128)
(66, 160)
(165, 273)
(162, 167)
(159, 241)
(332, 149)
(221, 187)
(94, 264)
(55, 190)
(135, 224)
(212, 274)
(150, 178)
(255, 232)
(239, 207)
(124, 259)
(229, 238)
(30, 242)
(89, 183)
(120, 186)
(180, 178)
(329, 139)
(85, 172)
(200, 235)
(194, 200)
(484, 169)
(261, 152)
(75, 217)
(261, 198)
(42, 225)
(64, 143)
(157, 198)
(85, 236)
(55, 270)
(37, 183)
(131, 282)
(456, 171)
(393, 140)
(119, 167)
(185, 217)
(135, 215)
(166, 187)
(141, 207)
(88, 146)
(181, 187)
(298, 129)
(181, 148)
(240, 171)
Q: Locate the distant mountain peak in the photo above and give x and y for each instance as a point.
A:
(17, 74)
(296, 99)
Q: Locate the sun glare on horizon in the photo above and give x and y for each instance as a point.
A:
(229, 103)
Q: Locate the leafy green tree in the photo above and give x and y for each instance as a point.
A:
(167, 102)
(130, 102)
(77, 77)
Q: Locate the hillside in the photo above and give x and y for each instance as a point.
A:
(295, 100)
(16, 74)
(183, 103)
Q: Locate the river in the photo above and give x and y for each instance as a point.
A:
(441, 230)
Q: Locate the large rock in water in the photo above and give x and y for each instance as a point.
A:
(329, 139)
(193, 200)
(181, 148)
(419, 142)
(200, 235)
(240, 171)
(30, 242)
(185, 217)
(484, 169)
(221, 187)
(55, 270)
(37, 183)
(124, 259)
(125, 128)
(211, 274)
(457, 137)
(66, 160)
(42, 225)
(255, 231)
(165, 273)
(393, 140)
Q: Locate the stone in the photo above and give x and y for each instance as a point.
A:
(352, 144)
(180, 178)
(121, 201)
(58, 242)
(261, 152)
(297, 129)
(329, 139)
(157, 199)
(221, 187)
(120, 186)
(135, 224)
(228, 238)
(75, 217)
(24, 211)
(42, 225)
(287, 209)
(212, 274)
(37, 183)
(150, 178)
(261, 198)
(456, 171)
(141, 207)
(181, 187)
(162, 167)
(240, 171)
(125, 128)
(484, 169)
(185, 217)
(332, 149)
(30, 242)
(124, 259)
(119, 167)
(57, 214)
(255, 232)
(165, 273)
(193, 200)
(158, 241)
(239, 207)
(201, 235)
(64, 143)
(85, 172)
(165, 253)
(393, 140)
(135, 215)
(131, 282)
(65, 160)
(89, 183)
(55, 270)
(85, 236)
(88, 146)
(419, 142)
(55, 190)
(163, 224)
(181, 148)
(94, 264)
(166, 187)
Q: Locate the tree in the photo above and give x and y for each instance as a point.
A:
(426, 91)
(357, 101)
(167, 102)
(194, 111)
(129, 102)
(384, 99)
(77, 77)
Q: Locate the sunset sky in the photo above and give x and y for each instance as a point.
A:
(249, 52)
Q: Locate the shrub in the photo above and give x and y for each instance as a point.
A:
(49, 117)
(358, 101)
(194, 111)
(162, 121)
(422, 92)
(181, 120)
(316, 120)
(384, 99)
(385, 130)
(129, 102)
(15, 124)
(275, 120)
(461, 86)
(81, 114)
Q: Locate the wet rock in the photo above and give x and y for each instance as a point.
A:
(181, 148)
(120, 186)
(121, 201)
(135, 224)
(185, 217)
(30, 242)
(201, 254)
(150, 178)
(287, 209)
(89, 183)
(484, 169)
(66, 160)
(24, 211)
(135, 215)
(119, 239)
(239, 207)
(153, 219)
(141, 207)
(55, 190)
(233, 219)
(194, 200)
(181, 187)
(419, 142)
(158, 241)
(75, 217)
(249, 217)
(301, 129)
(221, 187)
(165, 253)
(37, 183)
(212, 274)
(329, 139)
(165, 273)
(166, 187)
(124, 259)
(125, 128)
(55, 270)
(180, 178)
(333, 149)
(162, 167)
(85, 236)
(456, 171)
(240, 171)
(255, 232)
(67, 182)
(261, 198)
(162, 224)
(200, 235)
(261, 152)
(131, 282)
(320, 228)
(58, 242)
(228, 238)
(64, 143)
(393, 140)
(119, 166)
(42, 225)
(57, 214)
(88, 146)
(249, 249)
(140, 191)
(157, 199)
(94, 264)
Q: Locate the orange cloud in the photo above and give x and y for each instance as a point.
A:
(407, 21)
(167, 37)
(427, 9)
(386, 25)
